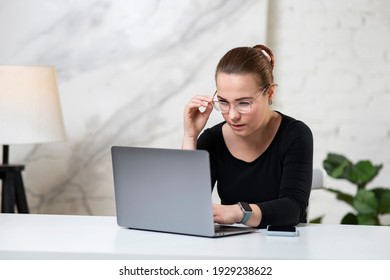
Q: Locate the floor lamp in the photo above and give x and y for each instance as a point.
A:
(30, 113)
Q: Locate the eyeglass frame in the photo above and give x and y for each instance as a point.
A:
(234, 105)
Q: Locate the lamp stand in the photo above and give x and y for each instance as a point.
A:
(13, 188)
(5, 154)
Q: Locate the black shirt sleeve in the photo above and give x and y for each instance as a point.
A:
(289, 208)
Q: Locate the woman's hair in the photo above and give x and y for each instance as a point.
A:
(258, 60)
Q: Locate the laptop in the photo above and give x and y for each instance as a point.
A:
(166, 190)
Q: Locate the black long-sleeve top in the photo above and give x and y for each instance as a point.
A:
(278, 181)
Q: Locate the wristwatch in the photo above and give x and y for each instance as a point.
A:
(247, 211)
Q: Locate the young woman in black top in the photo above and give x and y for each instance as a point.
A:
(262, 160)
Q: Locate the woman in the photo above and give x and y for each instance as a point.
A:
(262, 160)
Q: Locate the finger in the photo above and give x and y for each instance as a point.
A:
(208, 109)
(203, 108)
(198, 103)
(203, 97)
(200, 99)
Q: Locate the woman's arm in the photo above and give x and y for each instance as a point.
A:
(295, 186)
(230, 214)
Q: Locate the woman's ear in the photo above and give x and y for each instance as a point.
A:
(271, 92)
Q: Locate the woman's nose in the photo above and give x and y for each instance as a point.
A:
(233, 113)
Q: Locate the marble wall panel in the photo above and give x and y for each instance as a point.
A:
(125, 71)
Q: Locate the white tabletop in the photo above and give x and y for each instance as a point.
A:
(29, 236)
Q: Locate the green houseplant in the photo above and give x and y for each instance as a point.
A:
(368, 204)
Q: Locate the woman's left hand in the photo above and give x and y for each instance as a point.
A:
(227, 214)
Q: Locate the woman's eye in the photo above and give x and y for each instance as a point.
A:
(244, 103)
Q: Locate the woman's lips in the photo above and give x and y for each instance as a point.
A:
(236, 126)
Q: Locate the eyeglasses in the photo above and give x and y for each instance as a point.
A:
(242, 107)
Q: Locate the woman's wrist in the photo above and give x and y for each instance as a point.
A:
(239, 214)
(189, 143)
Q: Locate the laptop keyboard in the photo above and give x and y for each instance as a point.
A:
(224, 229)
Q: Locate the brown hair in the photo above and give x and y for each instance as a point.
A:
(258, 60)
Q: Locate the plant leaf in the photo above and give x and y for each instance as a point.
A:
(339, 167)
(349, 219)
(335, 165)
(365, 171)
(383, 197)
(342, 196)
(317, 220)
(365, 202)
(367, 219)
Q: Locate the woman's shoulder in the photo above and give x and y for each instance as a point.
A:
(211, 136)
(288, 121)
(294, 127)
(216, 129)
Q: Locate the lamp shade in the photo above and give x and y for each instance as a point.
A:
(30, 110)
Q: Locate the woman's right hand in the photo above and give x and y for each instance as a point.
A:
(194, 119)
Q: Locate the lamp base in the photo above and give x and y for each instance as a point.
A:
(13, 189)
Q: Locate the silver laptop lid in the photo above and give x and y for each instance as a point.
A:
(163, 190)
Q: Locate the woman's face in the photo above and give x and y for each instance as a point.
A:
(233, 88)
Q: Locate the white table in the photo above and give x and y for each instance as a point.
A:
(28, 236)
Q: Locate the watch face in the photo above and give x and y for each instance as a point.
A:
(246, 206)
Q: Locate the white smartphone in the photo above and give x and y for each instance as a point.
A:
(282, 230)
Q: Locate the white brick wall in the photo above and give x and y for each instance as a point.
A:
(333, 70)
